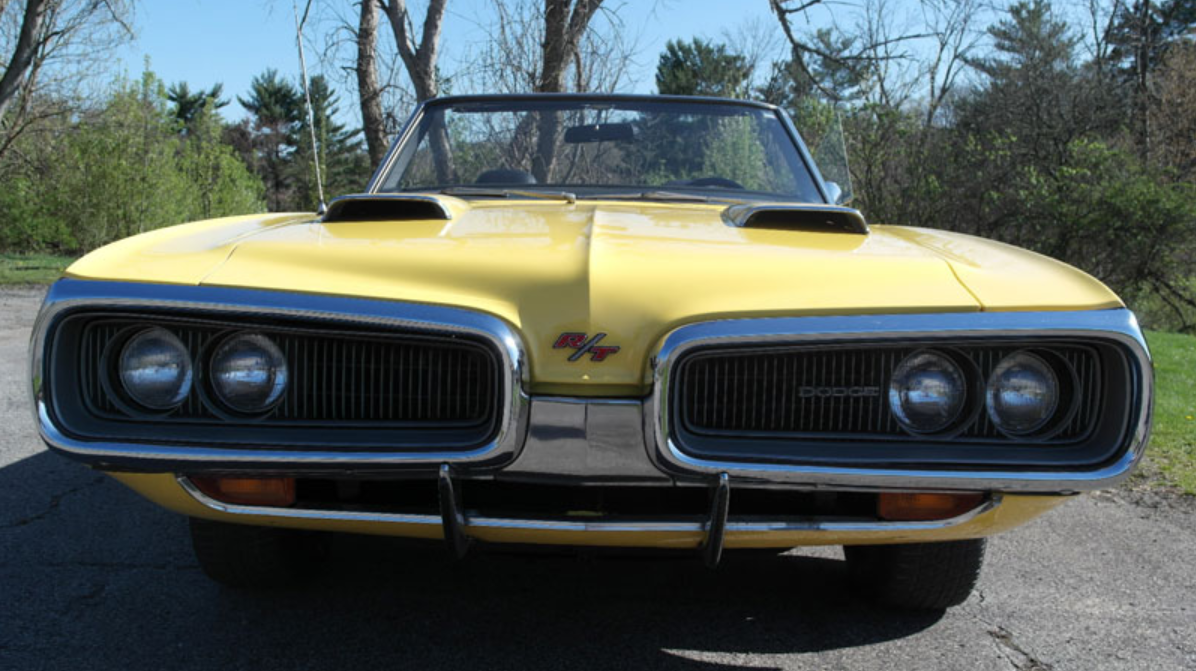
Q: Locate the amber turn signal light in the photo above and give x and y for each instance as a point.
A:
(914, 507)
(277, 492)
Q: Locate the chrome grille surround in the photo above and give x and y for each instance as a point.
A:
(339, 377)
(71, 296)
(840, 392)
(1116, 327)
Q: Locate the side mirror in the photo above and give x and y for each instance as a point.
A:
(835, 193)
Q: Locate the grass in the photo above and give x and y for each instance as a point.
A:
(32, 268)
(1172, 451)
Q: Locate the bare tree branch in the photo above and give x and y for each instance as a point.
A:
(420, 59)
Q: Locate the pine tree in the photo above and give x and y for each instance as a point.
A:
(276, 106)
(188, 105)
(343, 164)
(700, 68)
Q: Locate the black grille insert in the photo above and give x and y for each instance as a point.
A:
(365, 388)
(827, 403)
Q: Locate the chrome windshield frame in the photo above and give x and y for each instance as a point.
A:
(69, 296)
(1116, 325)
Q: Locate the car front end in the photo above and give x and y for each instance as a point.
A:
(597, 368)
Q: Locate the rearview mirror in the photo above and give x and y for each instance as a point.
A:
(600, 132)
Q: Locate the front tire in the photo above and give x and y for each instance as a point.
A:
(916, 576)
(250, 557)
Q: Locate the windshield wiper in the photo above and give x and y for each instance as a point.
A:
(507, 193)
(666, 195)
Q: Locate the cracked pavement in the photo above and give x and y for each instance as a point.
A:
(93, 577)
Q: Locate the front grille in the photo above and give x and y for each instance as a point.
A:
(337, 378)
(841, 393)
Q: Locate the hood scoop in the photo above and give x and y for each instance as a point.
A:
(386, 207)
(793, 217)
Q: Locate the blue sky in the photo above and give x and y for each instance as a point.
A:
(206, 41)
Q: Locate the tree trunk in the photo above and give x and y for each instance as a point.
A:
(420, 61)
(23, 54)
(368, 90)
(564, 25)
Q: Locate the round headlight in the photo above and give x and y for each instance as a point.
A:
(927, 392)
(1022, 393)
(155, 369)
(248, 373)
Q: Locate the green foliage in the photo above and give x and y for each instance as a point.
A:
(219, 183)
(344, 165)
(700, 68)
(734, 149)
(188, 105)
(276, 107)
(1098, 208)
(1143, 32)
(26, 224)
(276, 143)
(120, 170)
(1102, 209)
(273, 101)
(120, 175)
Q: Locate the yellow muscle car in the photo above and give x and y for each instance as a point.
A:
(593, 320)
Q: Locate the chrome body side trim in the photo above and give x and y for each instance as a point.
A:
(67, 296)
(1116, 325)
(474, 521)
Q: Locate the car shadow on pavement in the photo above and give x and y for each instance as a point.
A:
(96, 577)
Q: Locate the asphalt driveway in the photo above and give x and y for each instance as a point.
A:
(94, 577)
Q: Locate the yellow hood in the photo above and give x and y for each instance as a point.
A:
(631, 270)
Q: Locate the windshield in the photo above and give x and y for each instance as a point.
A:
(601, 147)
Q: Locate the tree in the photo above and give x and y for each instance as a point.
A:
(369, 91)
(1034, 90)
(420, 62)
(188, 105)
(342, 164)
(1173, 112)
(1140, 35)
(276, 106)
(419, 59)
(121, 168)
(217, 181)
(827, 53)
(565, 22)
(43, 45)
(701, 68)
(24, 52)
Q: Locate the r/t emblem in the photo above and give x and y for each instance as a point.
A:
(585, 344)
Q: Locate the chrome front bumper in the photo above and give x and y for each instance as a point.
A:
(584, 440)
